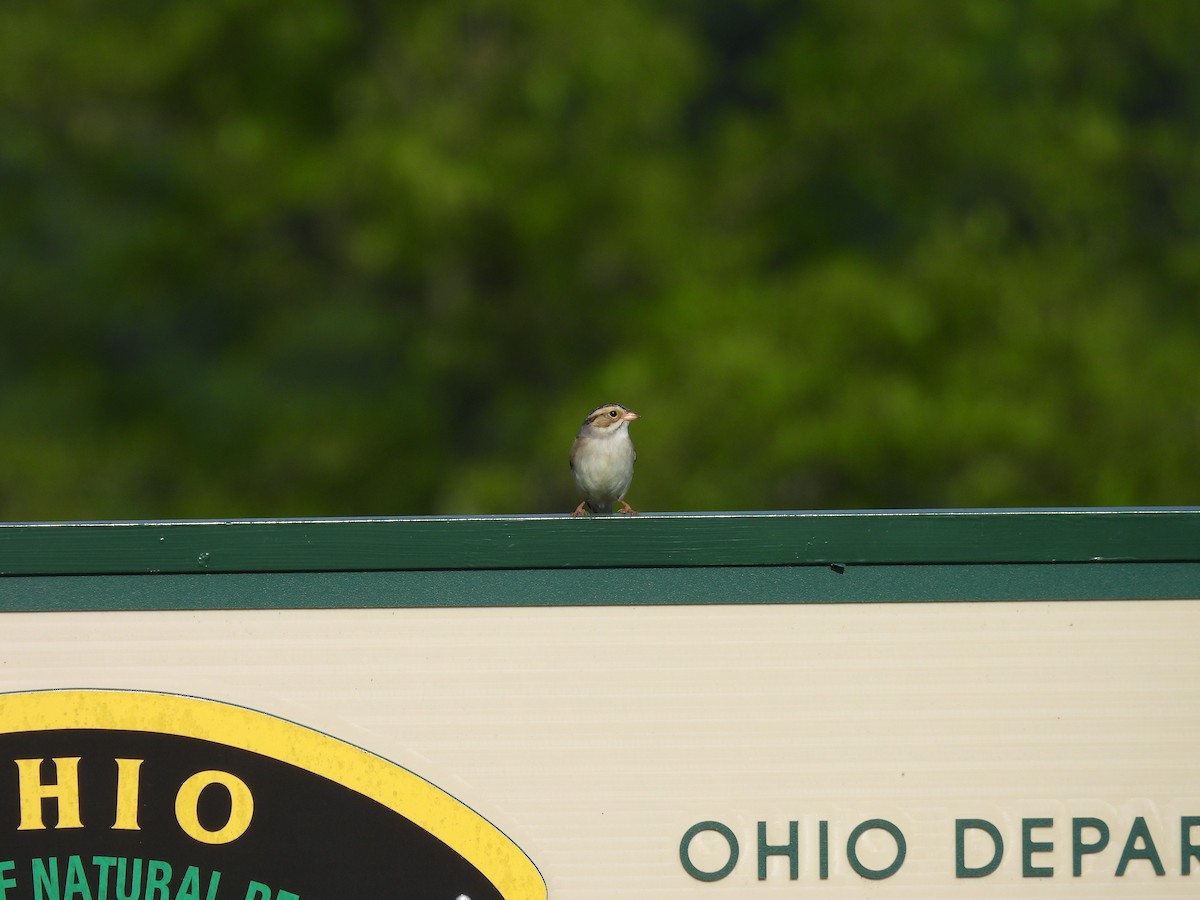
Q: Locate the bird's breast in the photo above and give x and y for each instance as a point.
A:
(605, 468)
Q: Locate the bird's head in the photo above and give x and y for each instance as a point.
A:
(610, 419)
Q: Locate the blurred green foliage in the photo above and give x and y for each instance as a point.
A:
(364, 258)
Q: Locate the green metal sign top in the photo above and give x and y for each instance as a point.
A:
(721, 558)
(901, 537)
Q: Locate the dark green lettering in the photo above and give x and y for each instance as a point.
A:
(823, 847)
(852, 849)
(1078, 848)
(1140, 831)
(1029, 847)
(1187, 850)
(791, 850)
(961, 869)
(686, 860)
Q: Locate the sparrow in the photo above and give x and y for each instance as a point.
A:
(602, 460)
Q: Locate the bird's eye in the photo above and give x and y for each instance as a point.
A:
(612, 413)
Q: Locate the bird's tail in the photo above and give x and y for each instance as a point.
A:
(600, 507)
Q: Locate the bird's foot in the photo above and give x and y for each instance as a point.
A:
(626, 509)
(581, 509)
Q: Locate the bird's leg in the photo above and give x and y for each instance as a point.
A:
(581, 509)
(626, 509)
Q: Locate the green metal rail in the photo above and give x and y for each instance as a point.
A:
(794, 557)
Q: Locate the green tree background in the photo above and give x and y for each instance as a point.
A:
(366, 258)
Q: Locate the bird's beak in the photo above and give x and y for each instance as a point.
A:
(630, 416)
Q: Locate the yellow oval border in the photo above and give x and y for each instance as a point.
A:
(478, 841)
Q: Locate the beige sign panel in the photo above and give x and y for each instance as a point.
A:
(949, 750)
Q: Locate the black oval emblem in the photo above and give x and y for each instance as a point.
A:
(117, 795)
